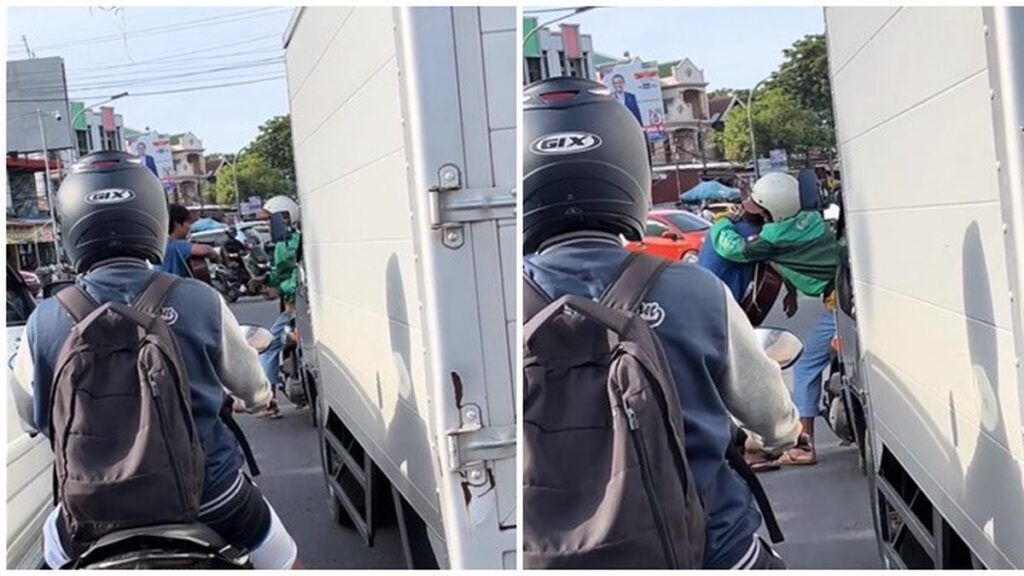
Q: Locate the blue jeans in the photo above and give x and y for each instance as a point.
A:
(816, 358)
(270, 358)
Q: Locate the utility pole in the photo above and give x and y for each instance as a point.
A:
(48, 183)
(28, 51)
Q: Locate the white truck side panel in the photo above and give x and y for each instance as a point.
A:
(358, 244)
(925, 225)
(413, 335)
(464, 254)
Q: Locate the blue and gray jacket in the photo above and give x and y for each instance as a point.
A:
(717, 363)
(212, 345)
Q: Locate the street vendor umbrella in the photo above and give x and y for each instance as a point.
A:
(711, 190)
(206, 224)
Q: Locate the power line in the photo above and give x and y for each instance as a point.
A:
(179, 55)
(177, 66)
(190, 24)
(152, 77)
(153, 93)
(193, 89)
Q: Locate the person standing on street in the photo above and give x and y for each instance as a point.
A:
(576, 206)
(803, 248)
(180, 250)
(110, 245)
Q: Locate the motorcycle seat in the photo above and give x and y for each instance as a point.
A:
(172, 538)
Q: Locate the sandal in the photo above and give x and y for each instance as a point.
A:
(766, 465)
(802, 454)
(272, 413)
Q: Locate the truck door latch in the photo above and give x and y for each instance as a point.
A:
(473, 444)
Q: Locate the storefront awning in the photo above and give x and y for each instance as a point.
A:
(29, 232)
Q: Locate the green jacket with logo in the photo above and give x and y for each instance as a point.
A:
(285, 274)
(802, 247)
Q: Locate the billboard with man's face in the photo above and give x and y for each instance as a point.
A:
(638, 88)
(155, 151)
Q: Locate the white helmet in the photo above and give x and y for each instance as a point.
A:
(283, 204)
(779, 194)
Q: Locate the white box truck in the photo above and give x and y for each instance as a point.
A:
(929, 110)
(403, 125)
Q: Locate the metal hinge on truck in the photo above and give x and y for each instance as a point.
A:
(472, 445)
(452, 206)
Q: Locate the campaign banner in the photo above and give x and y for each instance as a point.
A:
(638, 88)
(155, 151)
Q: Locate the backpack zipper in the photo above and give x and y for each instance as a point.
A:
(645, 473)
(155, 390)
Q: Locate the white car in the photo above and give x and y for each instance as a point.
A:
(29, 497)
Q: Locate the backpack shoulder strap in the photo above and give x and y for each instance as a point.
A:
(77, 302)
(534, 297)
(636, 278)
(152, 297)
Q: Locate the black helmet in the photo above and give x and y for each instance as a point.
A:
(585, 162)
(111, 205)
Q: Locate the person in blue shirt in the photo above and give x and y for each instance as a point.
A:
(736, 276)
(179, 249)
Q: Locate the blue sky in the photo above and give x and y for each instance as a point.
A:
(246, 40)
(736, 47)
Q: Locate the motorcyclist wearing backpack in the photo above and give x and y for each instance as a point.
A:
(113, 217)
(586, 182)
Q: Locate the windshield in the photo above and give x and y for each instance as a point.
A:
(686, 222)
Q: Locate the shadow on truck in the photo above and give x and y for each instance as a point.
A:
(910, 530)
(358, 493)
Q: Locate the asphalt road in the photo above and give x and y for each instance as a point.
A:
(823, 509)
(292, 480)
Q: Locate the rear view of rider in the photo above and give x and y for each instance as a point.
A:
(586, 182)
(113, 219)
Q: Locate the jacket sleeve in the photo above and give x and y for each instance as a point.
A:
(731, 245)
(752, 388)
(239, 366)
(21, 385)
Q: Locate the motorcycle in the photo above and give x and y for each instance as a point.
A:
(291, 375)
(187, 546)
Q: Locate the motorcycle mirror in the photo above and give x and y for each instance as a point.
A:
(780, 345)
(258, 337)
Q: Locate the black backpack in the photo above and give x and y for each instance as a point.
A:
(606, 480)
(126, 450)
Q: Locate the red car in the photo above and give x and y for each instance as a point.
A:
(673, 234)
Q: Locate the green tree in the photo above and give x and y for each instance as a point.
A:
(255, 178)
(779, 122)
(804, 76)
(274, 144)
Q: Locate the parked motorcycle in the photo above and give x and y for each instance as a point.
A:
(188, 546)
